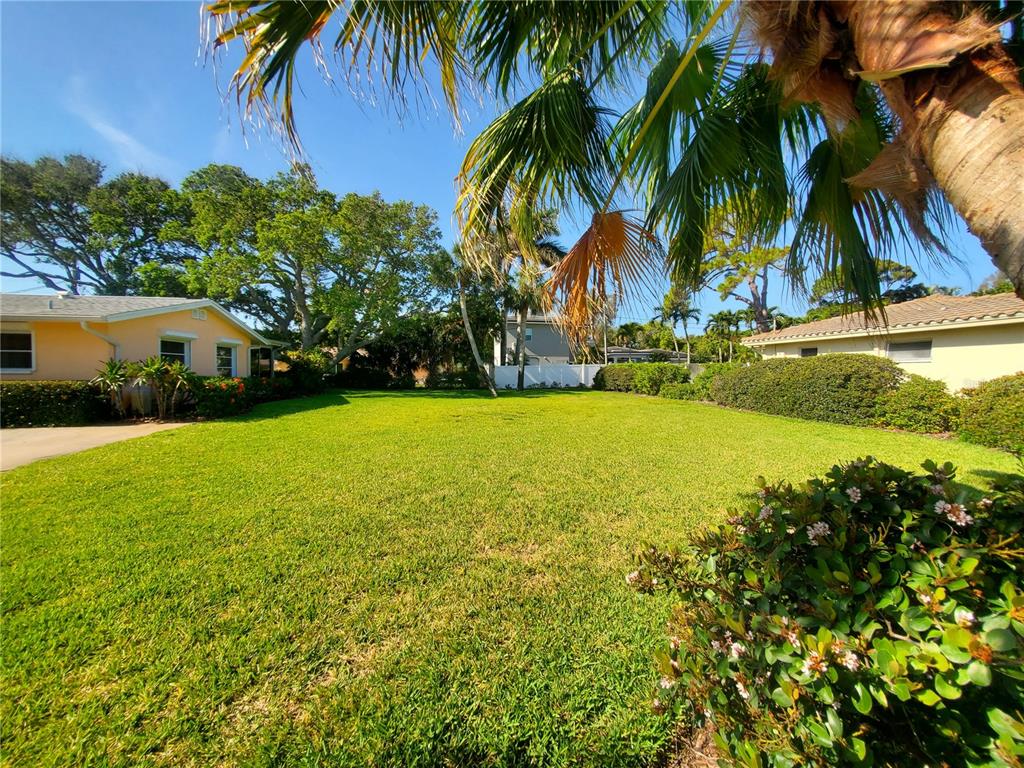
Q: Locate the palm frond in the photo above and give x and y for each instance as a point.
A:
(396, 37)
(545, 149)
(615, 252)
(511, 41)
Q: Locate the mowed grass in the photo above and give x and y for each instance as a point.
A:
(375, 579)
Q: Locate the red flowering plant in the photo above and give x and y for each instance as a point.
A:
(219, 397)
(871, 617)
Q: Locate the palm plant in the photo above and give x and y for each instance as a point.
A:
(462, 273)
(112, 379)
(875, 119)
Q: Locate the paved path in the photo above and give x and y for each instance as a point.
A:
(23, 446)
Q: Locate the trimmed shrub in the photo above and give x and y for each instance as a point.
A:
(642, 378)
(218, 396)
(307, 370)
(873, 617)
(702, 381)
(263, 389)
(52, 404)
(993, 414)
(919, 405)
(845, 389)
(677, 391)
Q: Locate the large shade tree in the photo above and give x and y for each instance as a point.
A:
(871, 121)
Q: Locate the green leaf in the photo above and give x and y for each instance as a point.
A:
(1000, 639)
(979, 673)
(927, 696)
(945, 689)
(781, 698)
(862, 699)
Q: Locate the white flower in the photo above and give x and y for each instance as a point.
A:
(938, 490)
(741, 530)
(985, 503)
(790, 530)
(633, 578)
(764, 513)
(965, 618)
(742, 690)
(849, 660)
(817, 530)
(854, 494)
(762, 492)
(666, 682)
(957, 515)
(816, 663)
(926, 600)
(942, 507)
(717, 646)
(736, 650)
(674, 643)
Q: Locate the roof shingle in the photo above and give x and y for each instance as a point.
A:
(929, 311)
(15, 305)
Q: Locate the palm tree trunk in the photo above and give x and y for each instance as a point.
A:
(472, 342)
(686, 333)
(521, 348)
(967, 118)
(504, 335)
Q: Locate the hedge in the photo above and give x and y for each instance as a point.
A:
(677, 391)
(839, 388)
(52, 404)
(993, 414)
(919, 405)
(642, 378)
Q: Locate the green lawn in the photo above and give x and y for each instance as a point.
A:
(374, 579)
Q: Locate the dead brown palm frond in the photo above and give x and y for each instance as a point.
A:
(900, 173)
(898, 38)
(617, 251)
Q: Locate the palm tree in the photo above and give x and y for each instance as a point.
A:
(676, 309)
(875, 117)
(724, 324)
(462, 273)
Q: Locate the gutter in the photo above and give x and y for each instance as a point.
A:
(750, 341)
(108, 339)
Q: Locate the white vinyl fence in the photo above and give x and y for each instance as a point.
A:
(546, 375)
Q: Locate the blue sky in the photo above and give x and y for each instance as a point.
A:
(127, 83)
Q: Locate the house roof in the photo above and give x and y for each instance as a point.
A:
(106, 309)
(936, 311)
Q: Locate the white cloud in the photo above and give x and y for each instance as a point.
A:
(130, 152)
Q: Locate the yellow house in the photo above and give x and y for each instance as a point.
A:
(961, 340)
(70, 337)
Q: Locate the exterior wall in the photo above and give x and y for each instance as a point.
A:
(548, 345)
(63, 350)
(140, 339)
(961, 357)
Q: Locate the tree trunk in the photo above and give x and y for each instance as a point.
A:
(503, 342)
(686, 333)
(521, 348)
(966, 114)
(472, 342)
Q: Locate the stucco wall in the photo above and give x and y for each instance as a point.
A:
(961, 357)
(63, 350)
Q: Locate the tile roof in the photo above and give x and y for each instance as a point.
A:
(15, 304)
(931, 311)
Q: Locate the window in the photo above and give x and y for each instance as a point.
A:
(910, 351)
(808, 352)
(259, 361)
(529, 334)
(198, 314)
(225, 361)
(16, 353)
(174, 351)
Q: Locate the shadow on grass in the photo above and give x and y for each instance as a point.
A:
(276, 408)
(456, 394)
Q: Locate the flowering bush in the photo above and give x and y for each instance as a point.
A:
(219, 396)
(871, 617)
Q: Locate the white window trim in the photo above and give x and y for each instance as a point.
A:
(234, 359)
(172, 336)
(178, 335)
(32, 336)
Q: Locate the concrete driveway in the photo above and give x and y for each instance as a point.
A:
(23, 446)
